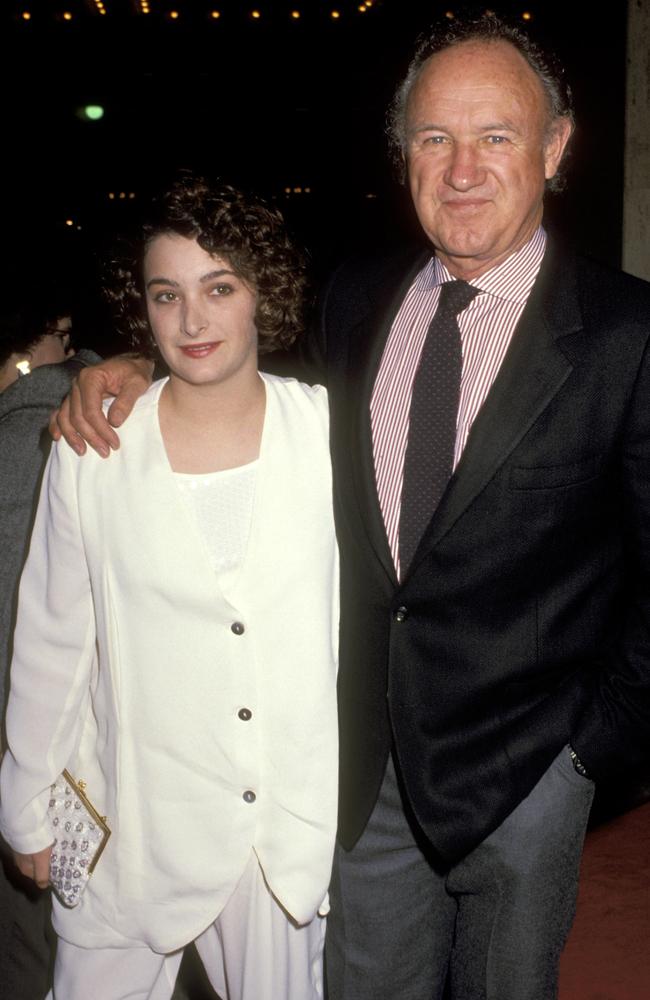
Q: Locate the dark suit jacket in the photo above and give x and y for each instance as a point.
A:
(526, 612)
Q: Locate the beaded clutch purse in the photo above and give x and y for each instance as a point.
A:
(80, 835)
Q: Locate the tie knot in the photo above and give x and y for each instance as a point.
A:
(455, 296)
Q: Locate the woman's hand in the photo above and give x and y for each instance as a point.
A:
(35, 866)
(81, 420)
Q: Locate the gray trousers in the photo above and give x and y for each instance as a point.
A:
(490, 928)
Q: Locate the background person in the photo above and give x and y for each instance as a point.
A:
(31, 337)
(202, 566)
(37, 366)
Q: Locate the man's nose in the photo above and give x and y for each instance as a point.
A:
(464, 170)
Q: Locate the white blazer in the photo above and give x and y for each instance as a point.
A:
(132, 664)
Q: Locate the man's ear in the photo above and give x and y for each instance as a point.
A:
(556, 142)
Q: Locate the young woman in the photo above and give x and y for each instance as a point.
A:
(177, 629)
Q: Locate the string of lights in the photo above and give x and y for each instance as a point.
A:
(227, 12)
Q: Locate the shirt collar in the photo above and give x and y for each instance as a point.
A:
(511, 280)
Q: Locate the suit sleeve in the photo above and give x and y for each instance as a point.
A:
(614, 729)
(53, 658)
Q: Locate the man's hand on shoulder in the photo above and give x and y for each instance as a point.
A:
(80, 418)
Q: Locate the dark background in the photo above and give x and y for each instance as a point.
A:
(276, 104)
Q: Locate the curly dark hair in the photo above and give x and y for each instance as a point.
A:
(486, 27)
(242, 229)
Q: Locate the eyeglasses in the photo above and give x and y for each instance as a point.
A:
(63, 335)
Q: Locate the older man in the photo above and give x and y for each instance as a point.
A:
(491, 448)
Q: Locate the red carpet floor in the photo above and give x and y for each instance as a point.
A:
(607, 956)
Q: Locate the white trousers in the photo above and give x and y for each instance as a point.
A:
(251, 952)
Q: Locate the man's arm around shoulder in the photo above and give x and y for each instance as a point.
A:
(81, 420)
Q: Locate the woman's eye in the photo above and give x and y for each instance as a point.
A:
(166, 297)
(222, 290)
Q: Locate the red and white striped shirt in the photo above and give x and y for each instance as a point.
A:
(486, 329)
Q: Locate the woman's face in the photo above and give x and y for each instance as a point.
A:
(201, 313)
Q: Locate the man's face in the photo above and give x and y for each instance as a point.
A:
(479, 149)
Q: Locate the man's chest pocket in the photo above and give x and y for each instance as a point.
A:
(556, 477)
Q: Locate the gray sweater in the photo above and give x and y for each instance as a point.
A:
(25, 407)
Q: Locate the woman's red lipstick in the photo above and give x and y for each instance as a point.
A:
(200, 350)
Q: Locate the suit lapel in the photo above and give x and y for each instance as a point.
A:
(534, 369)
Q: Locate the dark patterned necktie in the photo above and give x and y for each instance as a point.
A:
(429, 458)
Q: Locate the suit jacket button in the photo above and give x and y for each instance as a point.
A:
(401, 614)
(249, 796)
(245, 714)
(237, 628)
